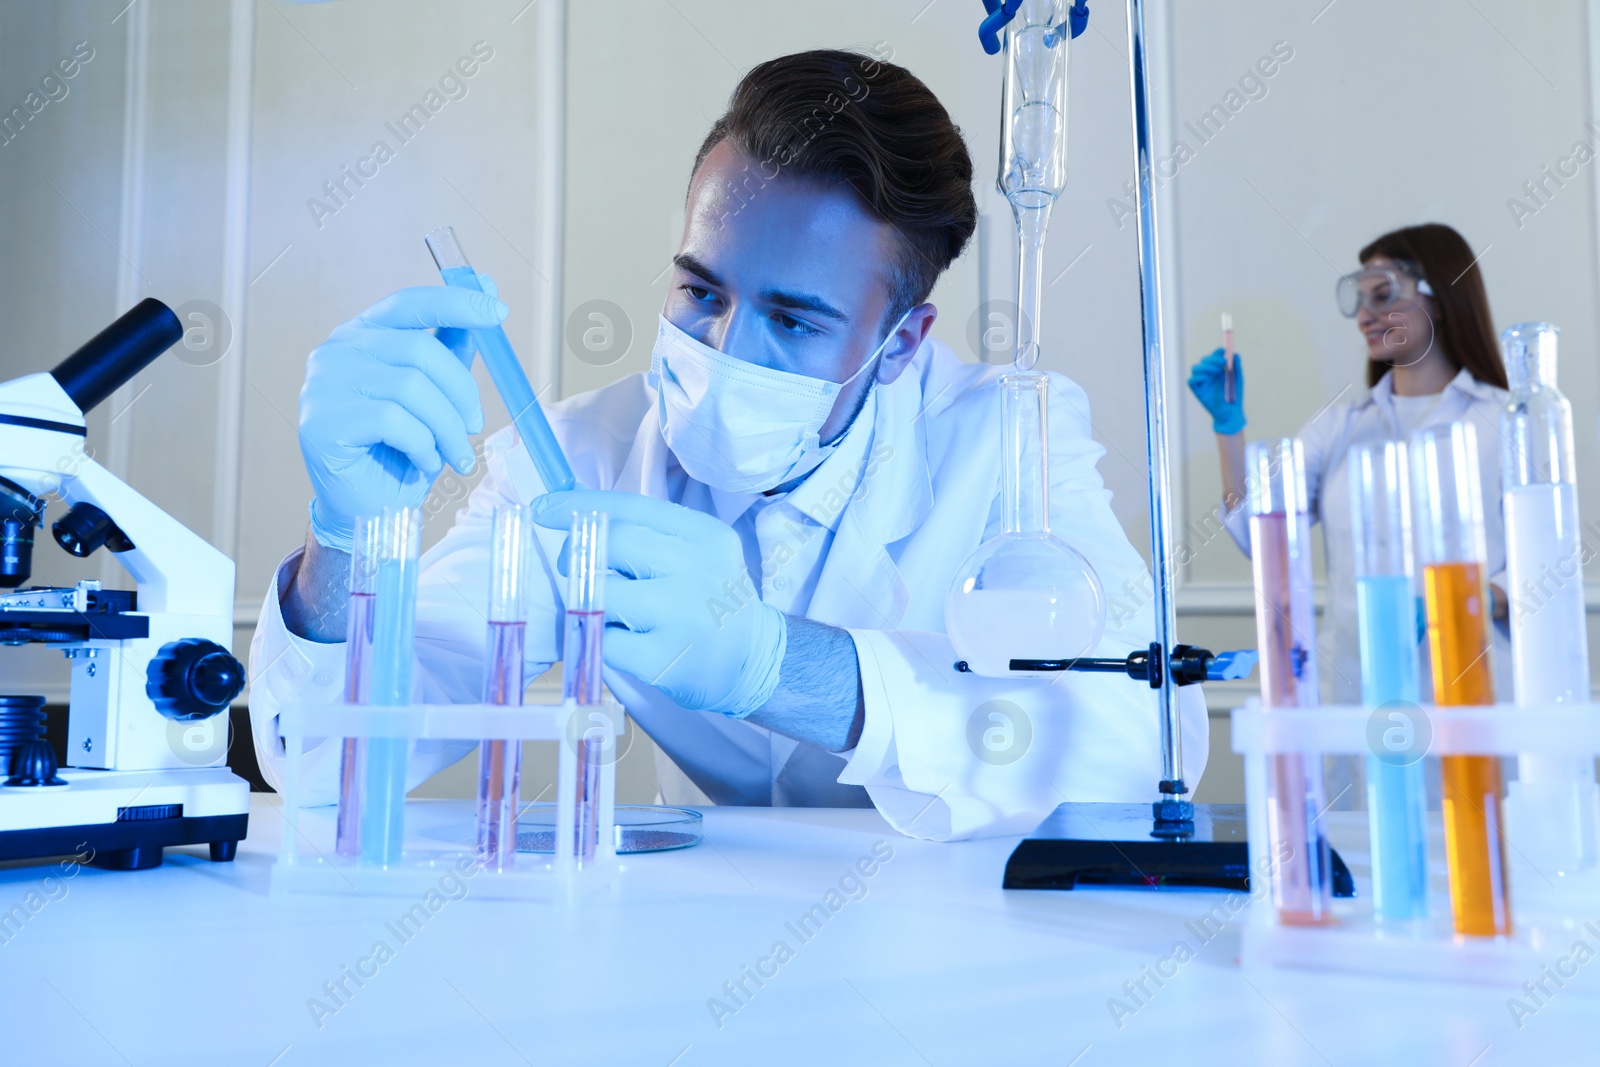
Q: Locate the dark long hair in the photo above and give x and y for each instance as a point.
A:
(1463, 327)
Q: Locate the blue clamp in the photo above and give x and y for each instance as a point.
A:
(1079, 18)
(1227, 666)
(1001, 12)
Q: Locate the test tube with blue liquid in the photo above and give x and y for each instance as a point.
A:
(1386, 610)
(1280, 555)
(357, 677)
(505, 371)
(589, 738)
(500, 761)
(394, 626)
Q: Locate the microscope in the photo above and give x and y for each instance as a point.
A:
(151, 672)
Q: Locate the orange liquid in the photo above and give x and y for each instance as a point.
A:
(1458, 639)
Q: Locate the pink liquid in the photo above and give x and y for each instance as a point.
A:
(500, 762)
(581, 684)
(1230, 377)
(1286, 638)
(581, 667)
(357, 675)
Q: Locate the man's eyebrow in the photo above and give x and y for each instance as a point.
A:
(778, 298)
(686, 261)
(803, 302)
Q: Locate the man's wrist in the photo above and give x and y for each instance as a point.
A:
(818, 696)
(315, 599)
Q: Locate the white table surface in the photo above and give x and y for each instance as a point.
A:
(194, 963)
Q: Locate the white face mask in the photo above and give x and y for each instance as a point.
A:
(737, 426)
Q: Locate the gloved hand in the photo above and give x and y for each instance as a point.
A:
(386, 403)
(1206, 382)
(459, 340)
(681, 613)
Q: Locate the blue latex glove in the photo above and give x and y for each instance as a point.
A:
(459, 340)
(1206, 382)
(681, 613)
(386, 403)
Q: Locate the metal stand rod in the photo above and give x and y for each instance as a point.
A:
(1155, 404)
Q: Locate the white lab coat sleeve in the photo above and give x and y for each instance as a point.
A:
(284, 669)
(947, 755)
(1323, 441)
(1318, 438)
(1237, 522)
(451, 632)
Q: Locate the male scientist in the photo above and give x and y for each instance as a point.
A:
(791, 490)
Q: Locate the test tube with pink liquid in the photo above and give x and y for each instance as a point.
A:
(589, 746)
(500, 761)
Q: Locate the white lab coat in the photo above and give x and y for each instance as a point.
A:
(1326, 439)
(920, 481)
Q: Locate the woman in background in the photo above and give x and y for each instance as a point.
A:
(1432, 359)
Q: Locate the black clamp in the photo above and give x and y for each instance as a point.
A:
(1189, 665)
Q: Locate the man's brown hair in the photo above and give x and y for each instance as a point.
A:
(850, 118)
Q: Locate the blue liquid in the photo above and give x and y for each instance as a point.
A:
(1396, 796)
(517, 394)
(394, 628)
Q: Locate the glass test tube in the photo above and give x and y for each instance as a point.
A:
(505, 371)
(357, 677)
(1397, 799)
(581, 678)
(393, 647)
(1280, 550)
(1449, 511)
(500, 762)
(1555, 793)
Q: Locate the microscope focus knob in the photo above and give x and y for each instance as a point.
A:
(193, 679)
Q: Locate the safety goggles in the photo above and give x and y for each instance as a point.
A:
(1378, 289)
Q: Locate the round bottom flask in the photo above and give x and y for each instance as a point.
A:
(1025, 594)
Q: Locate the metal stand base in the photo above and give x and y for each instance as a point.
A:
(1121, 845)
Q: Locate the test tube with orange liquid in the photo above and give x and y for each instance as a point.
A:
(1448, 497)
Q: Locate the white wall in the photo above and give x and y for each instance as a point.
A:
(1387, 115)
(1383, 117)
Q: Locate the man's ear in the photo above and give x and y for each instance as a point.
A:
(907, 339)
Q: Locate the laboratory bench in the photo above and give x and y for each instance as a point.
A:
(788, 936)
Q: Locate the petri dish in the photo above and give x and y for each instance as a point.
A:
(640, 828)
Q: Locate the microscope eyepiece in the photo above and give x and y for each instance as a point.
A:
(118, 352)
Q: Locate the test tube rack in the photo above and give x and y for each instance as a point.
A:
(440, 835)
(1550, 911)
